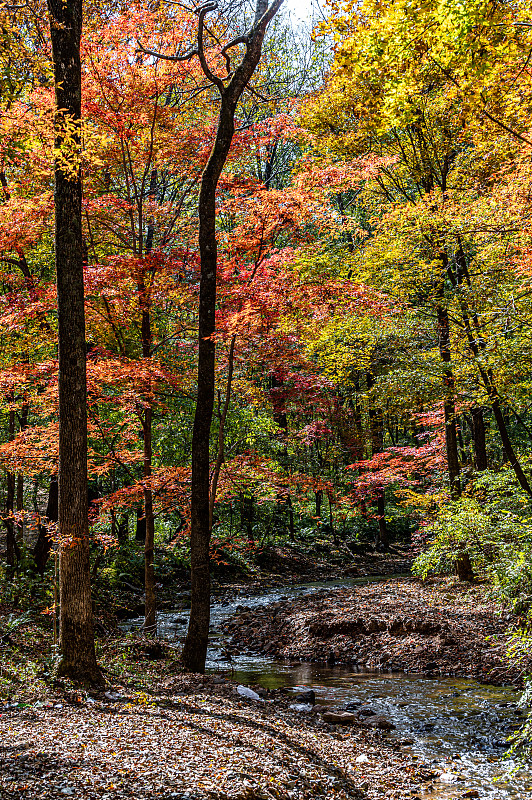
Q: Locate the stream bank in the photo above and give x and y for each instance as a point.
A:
(442, 627)
(447, 736)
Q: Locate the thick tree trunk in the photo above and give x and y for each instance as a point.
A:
(195, 647)
(78, 659)
(464, 568)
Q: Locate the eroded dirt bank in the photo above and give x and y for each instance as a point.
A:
(441, 628)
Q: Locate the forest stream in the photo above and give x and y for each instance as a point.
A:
(457, 727)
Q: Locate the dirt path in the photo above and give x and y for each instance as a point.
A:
(440, 628)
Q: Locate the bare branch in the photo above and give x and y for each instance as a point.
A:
(233, 43)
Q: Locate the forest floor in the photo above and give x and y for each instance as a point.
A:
(156, 733)
(440, 627)
(192, 737)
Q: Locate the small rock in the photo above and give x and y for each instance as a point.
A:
(379, 722)
(448, 777)
(306, 697)
(366, 712)
(304, 708)
(363, 759)
(471, 793)
(341, 718)
(245, 691)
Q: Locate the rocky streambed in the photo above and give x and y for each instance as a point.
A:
(439, 713)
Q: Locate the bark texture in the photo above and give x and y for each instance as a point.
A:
(478, 430)
(78, 659)
(195, 647)
(449, 409)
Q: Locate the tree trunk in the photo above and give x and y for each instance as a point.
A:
(478, 430)
(43, 545)
(78, 659)
(477, 345)
(13, 551)
(319, 500)
(195, 647)
(247, 513)
(122, 528)
(20, 481)
(150, 604)
(381, 541)
(449, 409)
(331, 521)
(464, 568)
(376, 423)
(140, 526)
(150, 621)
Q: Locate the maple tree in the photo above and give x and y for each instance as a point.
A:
(359, 271)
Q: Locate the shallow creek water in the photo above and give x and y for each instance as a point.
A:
(457, 727)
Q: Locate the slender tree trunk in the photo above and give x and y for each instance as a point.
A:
(449, 409)
(20, 481)
(43, 545)
(478, 430)
(140, 526)
(477, 346)
(78, 659)
(150, 613)
(284, 501)
(195, 647)
(13, 551)
(318, 500)
(222, 417)
(150, 621)
(247, 513)
(382, 537)
(376, 423)
(331, 521)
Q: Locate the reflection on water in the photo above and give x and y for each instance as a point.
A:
(459, 726)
